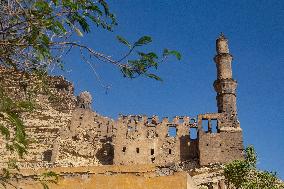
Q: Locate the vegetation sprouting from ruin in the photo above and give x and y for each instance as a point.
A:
(243, 174)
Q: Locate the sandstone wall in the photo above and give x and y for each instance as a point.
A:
(222, 144)
(86, 141)
(106, 177)
(141, 140)
(54, 104)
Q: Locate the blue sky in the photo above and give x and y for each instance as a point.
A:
(255, 30)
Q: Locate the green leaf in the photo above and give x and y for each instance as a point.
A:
(153, 76)
(59, 28)
(143, 41)
(5, 131)
(44, 185)
(95, 8)
(20, 135)
(41, 4)
(26, 105)
(105, 5)
(43, 7)
(127, 72)
(82, 22)
(152, 55)
(123, 41)
(21, 150)
(45, 40)
(51, 175)
(177, 54)
(168, 52)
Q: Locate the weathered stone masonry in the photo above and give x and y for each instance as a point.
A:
(66, 132)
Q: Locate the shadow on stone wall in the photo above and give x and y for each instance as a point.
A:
(106, 154)
(188, 148)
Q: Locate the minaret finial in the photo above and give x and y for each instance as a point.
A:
(222, 35)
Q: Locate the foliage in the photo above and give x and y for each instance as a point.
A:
(35, 34)
(145, 61)
(243, 174)
(6, 174)
(9, 113)
(32, 29)
(48, 177)
(13, 130)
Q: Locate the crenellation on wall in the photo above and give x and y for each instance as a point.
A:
(151, 140)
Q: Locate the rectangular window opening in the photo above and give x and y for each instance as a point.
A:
(214, 125)
(47, 155)
(172, 131)
(137, 150)
(193, 133)
(205, 123)
(170, 151)
(152, 151)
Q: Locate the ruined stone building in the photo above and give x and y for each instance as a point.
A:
(66, 132)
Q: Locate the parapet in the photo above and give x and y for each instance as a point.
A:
(140, 139)
(155, 120)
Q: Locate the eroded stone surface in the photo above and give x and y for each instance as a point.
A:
(66, 132)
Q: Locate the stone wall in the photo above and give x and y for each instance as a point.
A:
(142, 140)
(86, 141)
(106, 177)
(221, 146)
(64, 131)
(54, 105)
(123, 177)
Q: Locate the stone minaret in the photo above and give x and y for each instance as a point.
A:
(225, 85)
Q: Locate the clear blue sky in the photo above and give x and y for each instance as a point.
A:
(255, 30)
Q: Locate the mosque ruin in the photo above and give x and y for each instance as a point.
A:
(67, 134)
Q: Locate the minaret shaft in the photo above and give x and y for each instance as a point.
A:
(225, 85)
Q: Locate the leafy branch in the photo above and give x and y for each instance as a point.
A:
(145, 61)
(35, 35)
(9, 113)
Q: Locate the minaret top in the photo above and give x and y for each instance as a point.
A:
(222, 36)
(222, 44)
